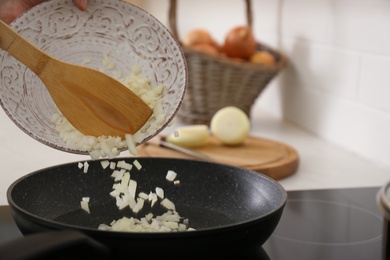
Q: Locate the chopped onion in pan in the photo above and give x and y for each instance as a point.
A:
(143, 195)
(171, 175)
(86, 167)
(112, 165)
(138, 206)
(105, 164)
(160, 192)
(132, 188)
(168, 204)
(124, 165)
(137, 165)
(124, 191)
(85, 204)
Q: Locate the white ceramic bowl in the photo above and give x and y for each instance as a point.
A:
(128, 34)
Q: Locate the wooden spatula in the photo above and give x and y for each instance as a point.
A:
(94, 103)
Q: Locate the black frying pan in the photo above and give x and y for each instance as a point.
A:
(233, 210)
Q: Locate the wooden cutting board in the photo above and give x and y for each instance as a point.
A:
(272, 158)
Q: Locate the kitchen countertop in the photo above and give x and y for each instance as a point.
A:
(322, 164)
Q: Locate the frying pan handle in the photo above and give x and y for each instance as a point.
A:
(54, 245)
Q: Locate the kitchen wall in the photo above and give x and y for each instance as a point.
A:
(338, 83)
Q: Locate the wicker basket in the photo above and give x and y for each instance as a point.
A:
(215, 81)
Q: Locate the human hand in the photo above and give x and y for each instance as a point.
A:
(11, 9)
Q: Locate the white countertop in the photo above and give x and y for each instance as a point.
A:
(322, 165)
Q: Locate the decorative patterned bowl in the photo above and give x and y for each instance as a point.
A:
(127, 34)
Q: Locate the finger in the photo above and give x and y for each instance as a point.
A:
(81, 4)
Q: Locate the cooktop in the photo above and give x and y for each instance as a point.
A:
(316, 224)
(329, 224)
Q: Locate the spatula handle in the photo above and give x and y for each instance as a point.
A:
(21, 49)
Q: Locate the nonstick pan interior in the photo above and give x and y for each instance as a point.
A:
(225, 204)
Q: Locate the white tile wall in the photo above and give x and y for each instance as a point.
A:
(338, 82)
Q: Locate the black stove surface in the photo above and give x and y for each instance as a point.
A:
(316, 224)
(329, 224)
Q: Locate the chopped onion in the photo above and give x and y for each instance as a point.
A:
(105, 164)
(118, 174)
(171, 175)
(131, 145)
(153, 198)
(160, 192)
(86, 166)
(137, 164)
(124, 165)
(85, 204)
(132, 202)
(109, 146)
(95, 155)
(107, 62)
(115, 193)
(132, 188)
(125, 193)
(125, 181)
(171, 225)
(143, 195)
(112, 165)
(121, 203)
(138, 206)
(168, 204)
(149, 217)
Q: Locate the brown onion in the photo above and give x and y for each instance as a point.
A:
(199, 36)
(263, 57)
(240, 43)
(206, 48)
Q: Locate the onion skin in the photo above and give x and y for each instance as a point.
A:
(199, 36)
(263, 57)
(240, 43)
(206, 48)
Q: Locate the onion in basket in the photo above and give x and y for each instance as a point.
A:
(199, 36)
(240, 43)
(263, 57)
